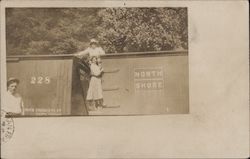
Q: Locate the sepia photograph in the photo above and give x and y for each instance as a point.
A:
(97, 61)
(111, 79)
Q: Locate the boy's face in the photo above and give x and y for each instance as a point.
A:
(12, 87)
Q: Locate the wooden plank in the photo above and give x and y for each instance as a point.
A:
(111, 70)
(66, 89)
(111, 88)
(60, 86)
(69, 86)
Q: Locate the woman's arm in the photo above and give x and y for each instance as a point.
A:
(82, 53)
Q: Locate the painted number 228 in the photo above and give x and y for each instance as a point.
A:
(40, 80)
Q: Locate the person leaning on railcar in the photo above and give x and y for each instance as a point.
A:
(14, 103)
(93, 50)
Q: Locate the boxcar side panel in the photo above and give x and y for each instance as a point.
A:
(146, 85)
(44, 85)
(154, 83)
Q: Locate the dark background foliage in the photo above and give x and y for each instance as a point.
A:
(66, 31)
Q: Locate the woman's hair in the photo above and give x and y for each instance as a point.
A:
(93, 41)
(91, 59)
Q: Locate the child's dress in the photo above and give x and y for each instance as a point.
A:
(95, 85)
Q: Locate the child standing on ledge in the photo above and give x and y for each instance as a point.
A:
(94, 95)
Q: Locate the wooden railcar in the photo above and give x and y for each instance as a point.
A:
(133, 83)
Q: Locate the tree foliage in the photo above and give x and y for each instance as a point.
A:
(143, 29)
(68, 30)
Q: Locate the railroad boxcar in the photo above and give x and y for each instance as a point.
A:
(133, 84)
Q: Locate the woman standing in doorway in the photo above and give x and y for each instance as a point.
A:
(94, 95)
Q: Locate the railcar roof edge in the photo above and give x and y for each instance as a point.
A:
(179, 52)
